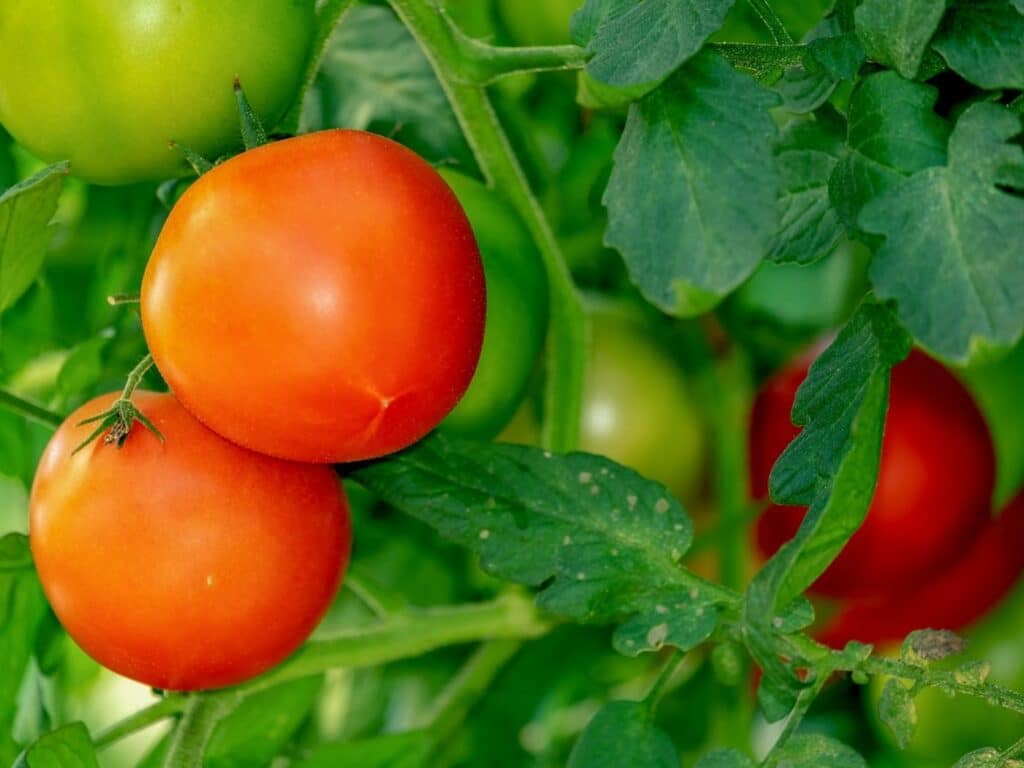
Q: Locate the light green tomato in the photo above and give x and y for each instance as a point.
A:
(107, 85)
(517, 307)
(638, 408)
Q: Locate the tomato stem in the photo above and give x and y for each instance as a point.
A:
(199, 719)
(117, 421)
(566, 349)
(664, 676)
(771, 20)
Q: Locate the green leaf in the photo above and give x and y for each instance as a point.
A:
(374, 76)
(25, 211)
(835, 55)
(832, 467)
(692, 196)
(602, 541)
(263, 723)
(987, 757)
(983, 41)
(952, 257)
(22, 610)
(67, 747)
(896, 709)
(725, 758)
(892, 133)
(394, 750)
(623, 735)
(896, 32)
(641, 42)
(841, 56)
(807, 155)
(815, 750)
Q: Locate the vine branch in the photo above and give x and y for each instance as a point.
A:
(29, 410)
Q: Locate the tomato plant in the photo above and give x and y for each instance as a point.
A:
(516, 311)
(602, 229)
(357, 344)
(934, 487)
(107, 87)
(177, 562)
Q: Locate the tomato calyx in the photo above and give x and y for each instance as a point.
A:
(118, 420)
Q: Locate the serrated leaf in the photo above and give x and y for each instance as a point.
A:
(896, 32)
(691, 198)
(831, 467)
(809, 228)
(892, 132)
(952, 258)
(67, 747)
(640, 43)
(983, 42)
(987, 757)
(623, 735)
(394, 750)
(725, 758)
(374, 76)
(604, 542)
(835, 55)
(22, 609)
(816, 750)
(841, 56)
(25, 212)
(896, 709)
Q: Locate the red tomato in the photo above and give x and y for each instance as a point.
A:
(318, 299)
(954, 599)
(934, 487)
(187, 564)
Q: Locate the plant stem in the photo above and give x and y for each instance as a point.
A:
(664, 676)
(566, 349)
(771, 20)
(154, 713)
(198, 721)
(468, 685)
(29, 410)
(804, 701)
(487, 63)
(327, 18)
(135, 377)
(760, 58)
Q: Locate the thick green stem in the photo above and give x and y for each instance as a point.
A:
(400, 636)
(29, 410)
(566, 352)
(661, 681)
(195, 729)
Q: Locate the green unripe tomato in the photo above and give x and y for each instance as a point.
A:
(538, 22)
(638, 408)
(108, 85)
(517, 307)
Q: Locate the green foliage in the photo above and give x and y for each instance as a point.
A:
(896, 32)
(622, 735)
(67, 747)
(691, 200)
(983, 41)
(604, 542)
(955, 229)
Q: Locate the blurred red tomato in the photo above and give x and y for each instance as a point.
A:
(934, 487)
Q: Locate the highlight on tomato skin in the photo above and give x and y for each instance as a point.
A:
(338, 276)
(935, 481)
(968, 589)
(187, 564)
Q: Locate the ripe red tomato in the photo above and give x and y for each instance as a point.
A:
(953, 599)
(934, 487)
(187, 564)
(319, 299)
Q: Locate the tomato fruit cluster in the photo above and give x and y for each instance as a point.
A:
(108, 85)
(928, 534)
(338, 276)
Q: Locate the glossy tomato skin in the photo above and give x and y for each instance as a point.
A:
(638, 407)
(517, 311)
(955, 598)
(934, 489)
(108, 85)
(319, 299)
(188, 564)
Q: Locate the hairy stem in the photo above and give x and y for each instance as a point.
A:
(771, 20)
(566, 349)
(199, 719)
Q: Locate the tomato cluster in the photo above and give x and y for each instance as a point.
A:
(929, 553)
(338, 276)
